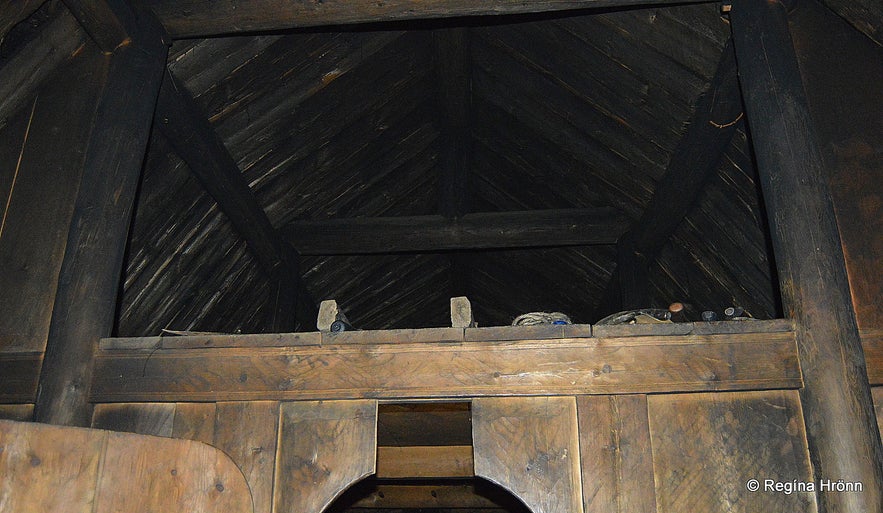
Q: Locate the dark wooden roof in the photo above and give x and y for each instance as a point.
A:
(563, 110)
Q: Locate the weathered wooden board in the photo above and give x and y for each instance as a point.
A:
(324, 447)
(72, 470)
(431, 423)
(396, 496)
(155, 474)
(877, 392)
(432, 461)
(530, 446)
(706, 448)
(616, 456)
(19, 412)
(192, 18)
(20, 374)
(247, 432)
(195, 421)
(560, 367)
(872, 344)
(33, 237)
(47, 469)
(155, 419)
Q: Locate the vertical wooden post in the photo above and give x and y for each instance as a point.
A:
(85, 302)
(841, 429)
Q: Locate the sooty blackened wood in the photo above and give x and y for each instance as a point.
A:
(190, 134)
(694, 161)
(532, 228)
(192, 18)
(89, 279)
(841, 428)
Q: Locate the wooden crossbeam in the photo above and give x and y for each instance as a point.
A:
(197, 18)
(192, 137)
(389, 367)
(694, 161)
(522, 229)
(14, 13)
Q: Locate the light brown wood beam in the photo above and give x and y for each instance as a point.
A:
(425, 462)
(841, 427)
(452, 368)
(495, 230)
(196, 18)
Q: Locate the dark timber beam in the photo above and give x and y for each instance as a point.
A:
(842, 432)
(85, 302)
(111, 23)
(14, 12)
(695, 160)
(452, 58)
(198, 18)
(191, 135)
(497, 230)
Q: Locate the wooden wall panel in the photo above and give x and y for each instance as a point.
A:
(324, 447)
(195, 421)
(707, 446)
(48, 469)
(877, 393)
(530, 446)
(617, 464)
(247, 432)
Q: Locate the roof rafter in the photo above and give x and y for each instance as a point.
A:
(196, 142)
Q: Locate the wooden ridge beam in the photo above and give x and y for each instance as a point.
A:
(695, 160)
(618, 363)
(841, 427)
(197, 18)
(190, 134)
(492, 230)
(14, 13)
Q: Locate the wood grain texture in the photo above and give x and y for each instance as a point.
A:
(48, 469)
(877, 393)
(72, 470)
(615, 454)
(872, 343)
(706, 447)
(247, 432)
(423, 370)
(432, 461)
(195, 421)
(324, 447)
(430, 423)
(194, 19)
(33, 237)
(85, 301)
(168, 475)
(841, 428)
(530, 447)
(433, 233)
(453, 496)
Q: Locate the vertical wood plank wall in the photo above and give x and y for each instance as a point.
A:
(662, 453)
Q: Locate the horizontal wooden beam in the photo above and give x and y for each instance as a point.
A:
(197, 18)
(452, 369)
(492, 230)
(461, 496)
(434, 461)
